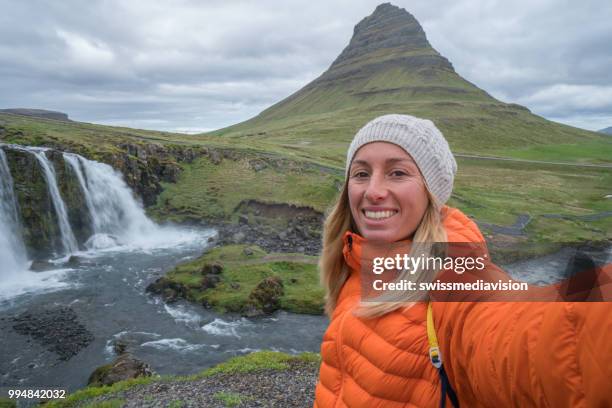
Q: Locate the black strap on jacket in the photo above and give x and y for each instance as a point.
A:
(435, 356)
(447, 389)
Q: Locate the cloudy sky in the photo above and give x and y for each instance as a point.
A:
(190, 66)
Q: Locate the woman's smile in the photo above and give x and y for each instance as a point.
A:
(378, 214)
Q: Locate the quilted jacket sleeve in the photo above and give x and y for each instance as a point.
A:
(527, 354)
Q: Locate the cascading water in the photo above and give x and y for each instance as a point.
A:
(118, 223)
(12, 250)
(117, 218)
(69, 242)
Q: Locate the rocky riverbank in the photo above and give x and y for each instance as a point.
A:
(262, 379)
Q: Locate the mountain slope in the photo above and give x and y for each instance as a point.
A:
(389, 66)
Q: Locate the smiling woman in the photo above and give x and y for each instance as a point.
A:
(400, 173)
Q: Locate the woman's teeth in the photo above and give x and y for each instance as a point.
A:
(379, 215)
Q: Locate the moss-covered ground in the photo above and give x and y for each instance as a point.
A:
(208, 191)
(241, 274)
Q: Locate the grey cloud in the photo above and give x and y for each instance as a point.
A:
(192, 64)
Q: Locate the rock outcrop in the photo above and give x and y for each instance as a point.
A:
(40, 227)
(124, 367)
(146, 166)
(169, 290)
(388, 27)
(265, 297)
(38, 113)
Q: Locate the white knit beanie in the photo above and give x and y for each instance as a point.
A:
(422, 140)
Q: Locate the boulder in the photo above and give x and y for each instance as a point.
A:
(170, 291)
(124, 367)
(210, 281)
(41, 266)
(214, 268)
(238, 237)
(74, 260)
(215, 157)
(265, 297)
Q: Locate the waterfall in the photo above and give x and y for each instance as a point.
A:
(68, 240)
(12, 250)
(117, 218)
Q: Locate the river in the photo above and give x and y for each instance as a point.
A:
(107, 293)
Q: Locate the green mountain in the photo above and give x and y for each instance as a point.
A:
(288, 161)
(389, 66)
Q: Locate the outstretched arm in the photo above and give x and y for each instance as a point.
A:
(527, 354)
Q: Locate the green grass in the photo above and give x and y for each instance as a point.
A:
(591, 151)
(497, 192)
(230, 399)
(302, 292)
(261, 360)
(93, 392)
(258, 361)
(206, 191)
(112, 403)
(7, 403)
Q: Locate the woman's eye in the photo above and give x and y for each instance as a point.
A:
(398, 173)
(360, 174)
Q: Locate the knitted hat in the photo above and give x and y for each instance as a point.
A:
(421, 140)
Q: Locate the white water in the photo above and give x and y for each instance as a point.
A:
(118, 219)
(69, 242)
(119, 224)
(14, 263)
(176, 344)
(13, 256)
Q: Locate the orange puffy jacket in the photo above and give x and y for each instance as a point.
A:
(496, 354)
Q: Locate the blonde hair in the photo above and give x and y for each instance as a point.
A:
(334, 270)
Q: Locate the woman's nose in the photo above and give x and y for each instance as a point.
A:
(377, 190)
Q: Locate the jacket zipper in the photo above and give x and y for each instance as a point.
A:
(339, 339)
(339, 351)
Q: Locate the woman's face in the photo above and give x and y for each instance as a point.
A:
(386, 191)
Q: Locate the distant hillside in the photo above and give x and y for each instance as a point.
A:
(607, 130)
(37, 113)
(389, 66)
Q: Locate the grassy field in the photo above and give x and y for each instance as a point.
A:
(208, 191)
(597, 151)
(497, 192)
(309, 174)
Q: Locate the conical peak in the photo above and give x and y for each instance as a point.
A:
(387, 27)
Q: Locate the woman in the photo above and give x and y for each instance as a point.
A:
(400, 173)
